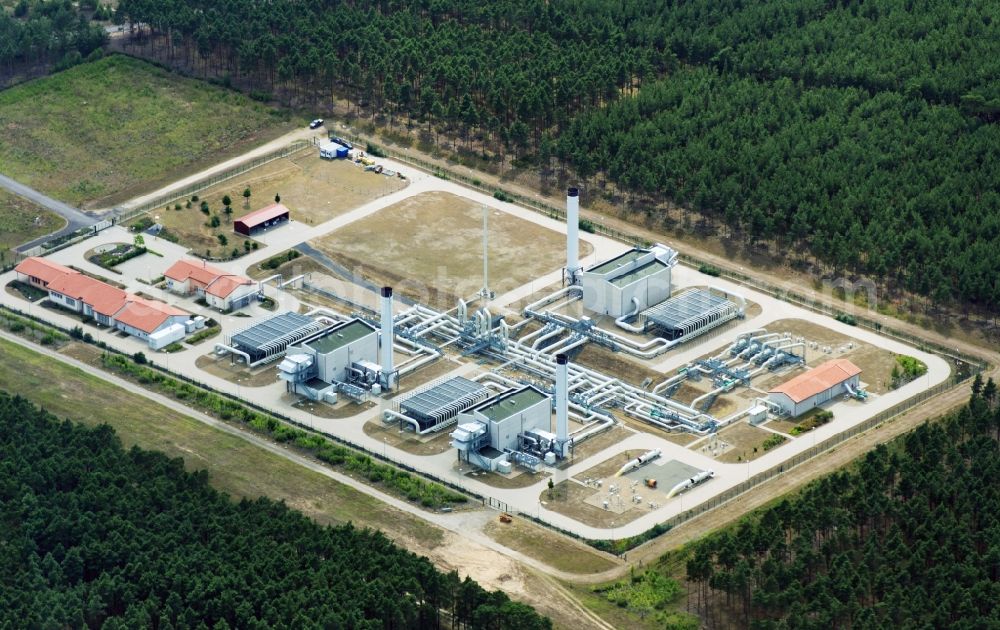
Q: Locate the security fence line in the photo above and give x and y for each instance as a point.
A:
(121, 215)
(813, 451)
(556, 213)
(688, 259)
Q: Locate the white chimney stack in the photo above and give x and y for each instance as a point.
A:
(562, 404)
(572, 234)
(387, 337)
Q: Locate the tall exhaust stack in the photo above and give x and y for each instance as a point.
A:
(387, 337)
(562, 404)
(572, 234)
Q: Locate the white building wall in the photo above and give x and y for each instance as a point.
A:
(601, 295)
(179, 287)
(797, 409)
(135, 332)
(650, 291)
(66, 301)
(25, 278)
(334, 365)
(503, 434)
(226, 303)
(597, 294)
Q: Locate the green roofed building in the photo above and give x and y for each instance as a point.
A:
(489, 431)
(630, 282)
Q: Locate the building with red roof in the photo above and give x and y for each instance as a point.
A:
(260, 220)
(89, 296)
(221, 290)
(108, 305)
(815, 387)
(141, 317)
(41, 271)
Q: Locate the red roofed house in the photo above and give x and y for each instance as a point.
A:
(262, 219)
(41, 271)
(141, 317)
(815, 387)
(221, 290)
(109, 305)
(89, 296)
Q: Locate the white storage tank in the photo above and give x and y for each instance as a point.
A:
(550, 458)
(376, 389)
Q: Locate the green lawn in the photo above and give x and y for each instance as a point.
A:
(234, 465)
(102, 132)
(18, 222)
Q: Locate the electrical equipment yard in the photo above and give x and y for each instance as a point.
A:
(500, 381)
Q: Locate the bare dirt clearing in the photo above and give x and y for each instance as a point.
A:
(429, 247)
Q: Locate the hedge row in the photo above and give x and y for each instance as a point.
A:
(414, 488)
(23, 326)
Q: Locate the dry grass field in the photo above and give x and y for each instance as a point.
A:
(429, 247)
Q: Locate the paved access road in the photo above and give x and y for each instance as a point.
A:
(75, 218)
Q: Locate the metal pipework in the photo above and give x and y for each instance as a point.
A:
(552, 297)
(407, 419)
(620, 322)
(246, 357)
(645, 458)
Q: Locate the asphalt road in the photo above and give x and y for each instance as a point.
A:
(75, 218)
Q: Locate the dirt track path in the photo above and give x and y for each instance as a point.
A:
(75, 218)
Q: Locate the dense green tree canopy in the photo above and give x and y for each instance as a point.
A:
(39, 32)
(909, 538)
(862, 132)
(94, 535)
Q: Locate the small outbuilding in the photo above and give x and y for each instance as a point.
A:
(263, 219)
(817, 386)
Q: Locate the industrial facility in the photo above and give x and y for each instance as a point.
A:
(515, 427)
(642, 385)
(817, 386)
(325, 353)
(491, 434)
(340, 358)
(629, 283)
